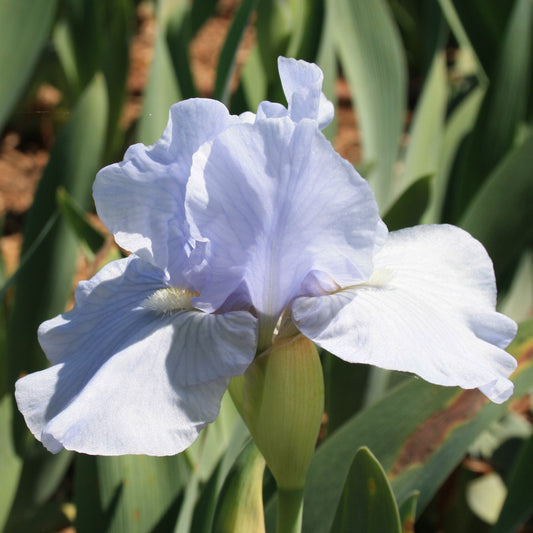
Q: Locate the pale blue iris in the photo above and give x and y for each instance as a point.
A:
(234, 222)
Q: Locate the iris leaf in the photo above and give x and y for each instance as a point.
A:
(24, 28)
(200, 12)
(32, 249)
(502, 111)
(175, 22)
(161, 92)
(410, 206)
(427, 128)
(463, 37)
(327, 61)
(241, 504)
(518, 505)
(373, 61)
(228, 55)
(367, 502)
(77, 220)
(459, 123)
(209, 498)
(10, 462)
(484, 23)
(408, 512)
(44, 282)
(500, 214)
(137, 492)
(432, 430)
(253, 88)
(41, 475)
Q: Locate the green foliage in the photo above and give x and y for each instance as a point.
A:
(373, 61)
(75, 216)
(502, 111)
(518, 505)
(410, 206)
(500, 214)
(44, 283)
(367, 501)
(228, 55)
(241, 505)
(24, 29)
(452, 418)
(10, 462)
(408, 513)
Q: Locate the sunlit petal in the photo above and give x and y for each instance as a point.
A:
(129, 379)
(428, 309)
(302, 84)
(140, 199)
(275, 203)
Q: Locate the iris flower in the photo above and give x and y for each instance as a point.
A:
(241, 229)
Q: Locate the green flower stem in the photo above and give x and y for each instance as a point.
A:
(290, 510)
(281, 399)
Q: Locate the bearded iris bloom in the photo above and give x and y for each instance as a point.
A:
(243, 229)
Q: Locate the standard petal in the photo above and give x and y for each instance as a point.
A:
(275, 202)
(302, 85)
(258, 194)
(429, 309)
(268, 109)
(129, 379)
(140, 200)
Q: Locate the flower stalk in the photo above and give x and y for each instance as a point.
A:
(281, 399)
(290, 510)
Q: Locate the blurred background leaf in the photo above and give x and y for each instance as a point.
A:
(373, 60)
(24, 29)
(502, 111)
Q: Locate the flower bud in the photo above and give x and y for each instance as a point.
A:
(281, 399)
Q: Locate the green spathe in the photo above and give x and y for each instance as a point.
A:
(281, 399)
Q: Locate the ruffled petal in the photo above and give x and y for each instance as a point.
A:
(128, 379)
(140, 200)
(302, 85)
(276, 202)
(268, 109)
(429, 309)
